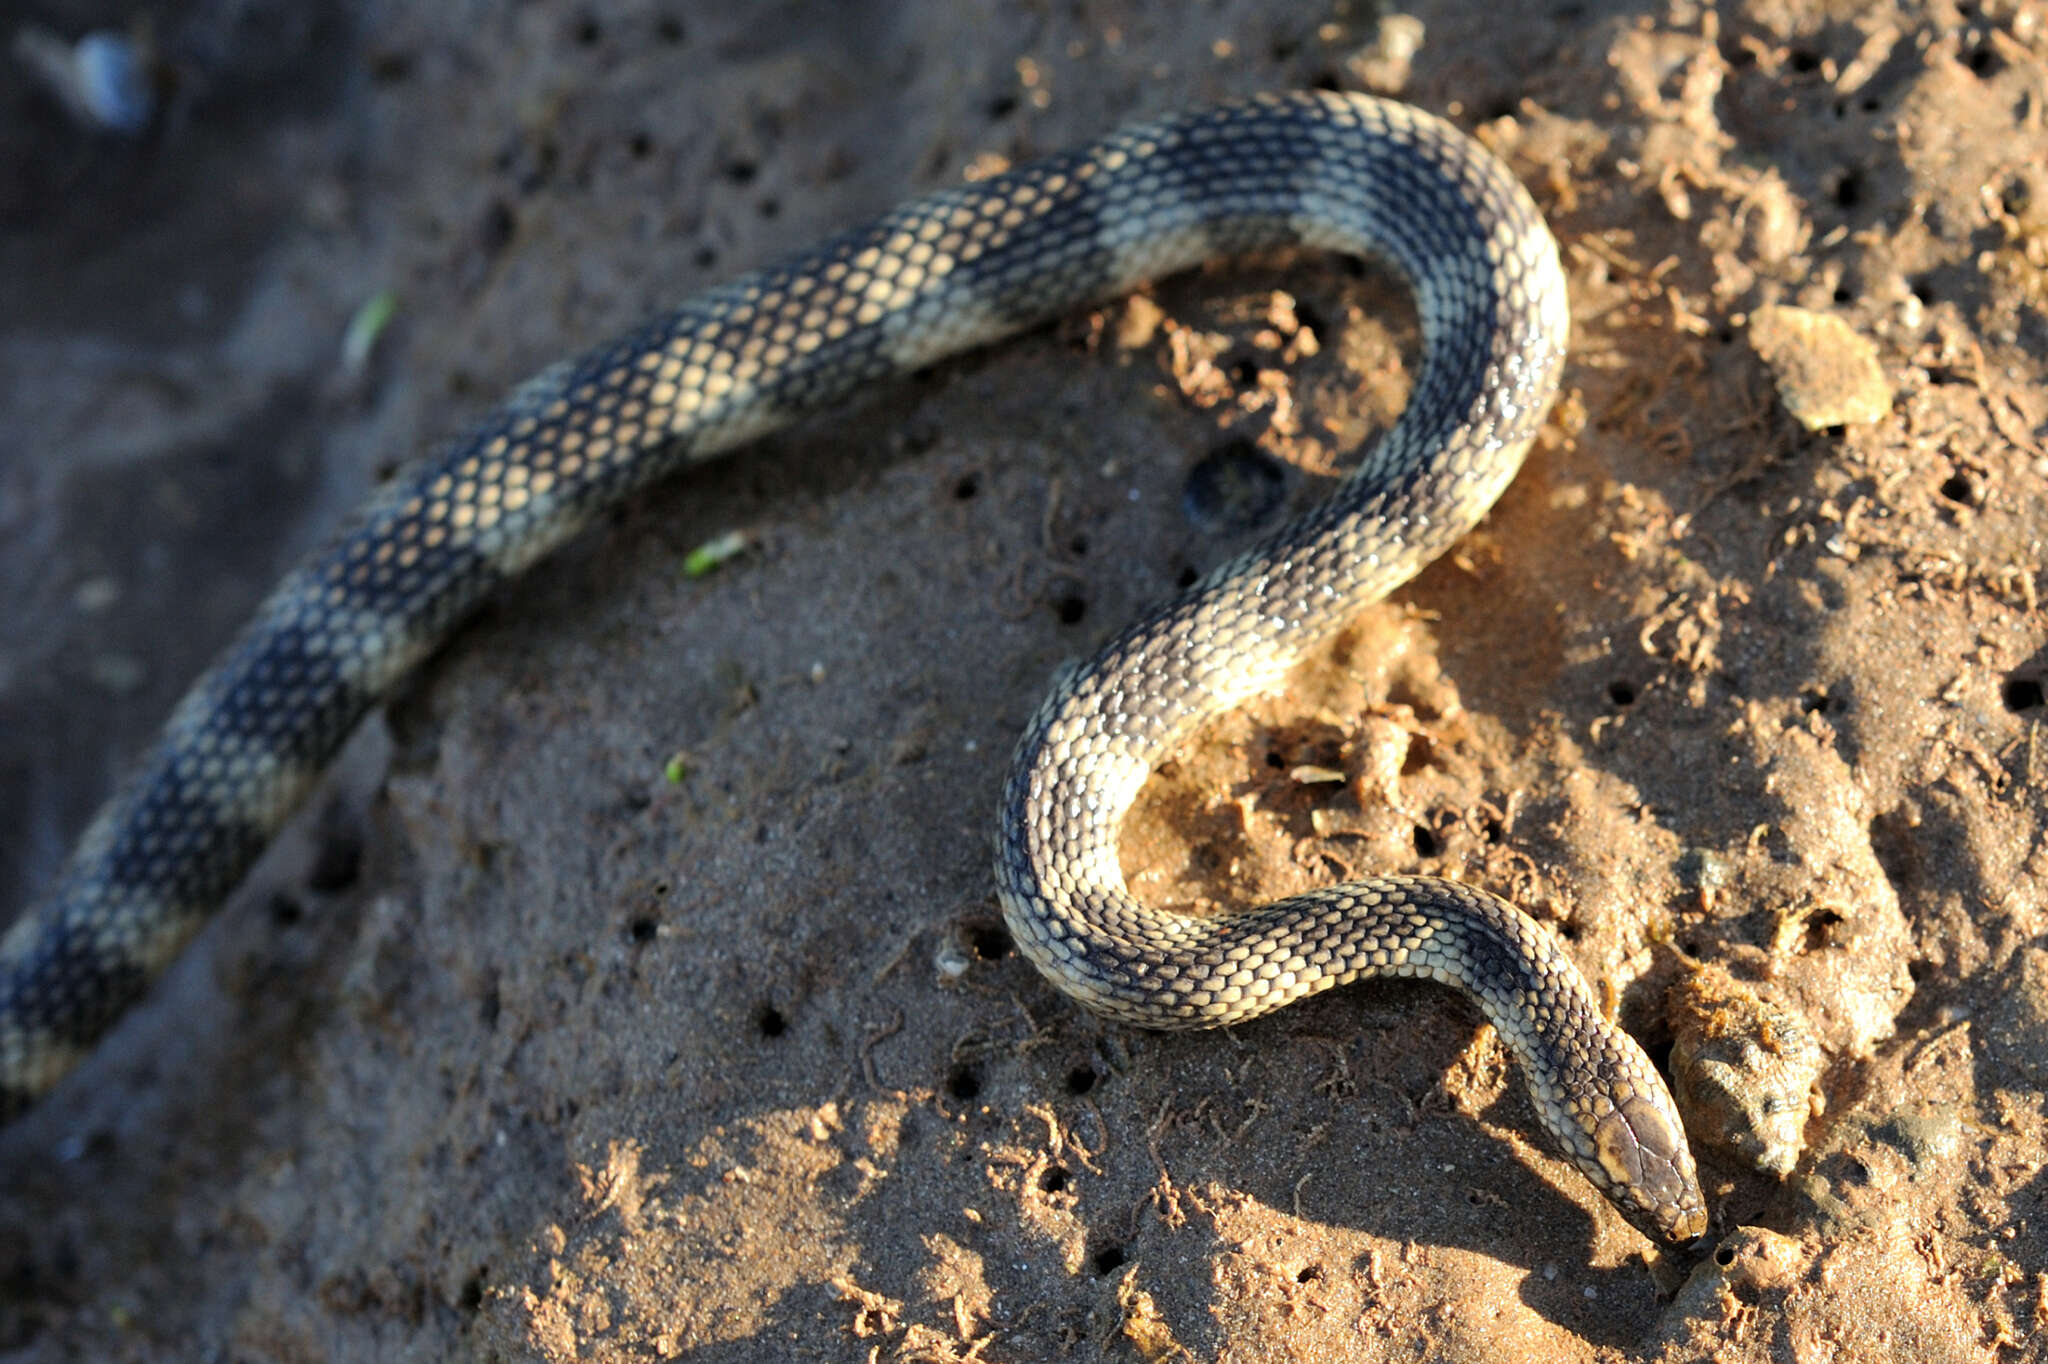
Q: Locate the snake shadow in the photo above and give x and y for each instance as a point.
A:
(1387, 1118)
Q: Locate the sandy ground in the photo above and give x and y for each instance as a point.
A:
(637, 991)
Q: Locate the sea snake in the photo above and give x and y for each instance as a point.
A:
(957, 269)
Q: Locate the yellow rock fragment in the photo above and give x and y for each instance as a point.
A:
(1827, 375)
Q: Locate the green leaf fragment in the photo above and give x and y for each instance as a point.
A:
(365, 327)
(713, 552)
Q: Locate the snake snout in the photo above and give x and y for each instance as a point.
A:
(1654, 1183)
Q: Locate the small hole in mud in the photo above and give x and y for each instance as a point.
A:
(639, 145)
(769, 209)
(670, 31)
(1804, 60)
(1244, 373)
(2021, 694)
(390, 68)
(1871, 104)
(1427, 844)
(1327, 80)
(991, 942)
(1817, 929)
(285, 911)
(1109, 1259)
(741, 172)
(1187, 578)
(1724, 1256)
(1274, 760)
(1070, 607)
(338, 863)
(1814, 701)
(1054, 1180)
(963, 1083)
(588, 31)
(1235, 487)
(1570, 931)
(473, 1289)
(642, 929)
(771, 1022)
(1078, 545)
(1985, 62)
(496, 229)
(1081, 1079)
(1842, 294)
(1621, 693)
(1849, 190)
(1923, 289)
(1957, 488)
(1492, 829)
(1001, 107)
(704, 258)
(1308, 1274)
(966, 487)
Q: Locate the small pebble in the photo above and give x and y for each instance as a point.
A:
(1826, 374)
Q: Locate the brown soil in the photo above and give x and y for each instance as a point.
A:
(636, 991)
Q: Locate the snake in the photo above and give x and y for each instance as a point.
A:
(1342, 173)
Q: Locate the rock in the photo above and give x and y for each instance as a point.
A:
(1827, 375)
(1743, 1068)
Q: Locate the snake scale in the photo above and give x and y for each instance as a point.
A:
(957, 269)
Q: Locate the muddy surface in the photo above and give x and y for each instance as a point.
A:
(636, 990)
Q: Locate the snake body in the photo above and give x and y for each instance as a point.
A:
(945, 273)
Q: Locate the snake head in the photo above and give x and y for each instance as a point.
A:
(1646, 1169)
